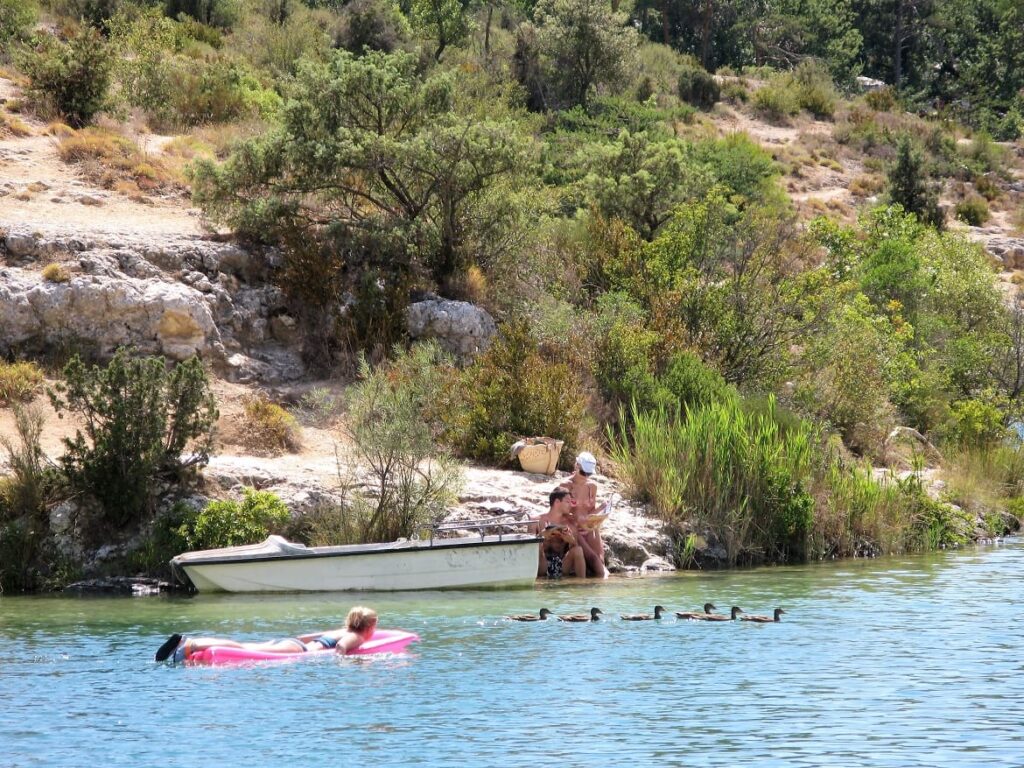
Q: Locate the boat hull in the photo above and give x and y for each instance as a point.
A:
(474, 562)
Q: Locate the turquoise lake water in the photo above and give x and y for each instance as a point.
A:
(912, 661)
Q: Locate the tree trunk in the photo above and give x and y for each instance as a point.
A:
(487, 30)
(897, 53)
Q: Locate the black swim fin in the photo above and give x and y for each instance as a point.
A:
(168, 647)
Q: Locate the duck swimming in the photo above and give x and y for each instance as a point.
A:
(592, 616)
(658, 610)
(764, 619)
(736, 611)
(708, 608)
(542, 616)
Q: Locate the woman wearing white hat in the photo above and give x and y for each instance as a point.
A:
(584, 491)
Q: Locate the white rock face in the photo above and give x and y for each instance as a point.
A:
(157, 317)
(176, 297)
(461, 328)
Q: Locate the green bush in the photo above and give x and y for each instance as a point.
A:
(230, 523)
(71, 76)
(16, 19)
(909, 187)
(218, 91)
(698, 87)
(317, 407)
(376, 25)
(19, 382)
(694, 384)
(881, 99)
(392, 425)
(815, 90)
(513, 391)
(141, 422)
(776, 102)
(974, 423)
(973, 210)
(24, 494)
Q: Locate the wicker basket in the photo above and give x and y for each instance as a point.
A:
(541, 455)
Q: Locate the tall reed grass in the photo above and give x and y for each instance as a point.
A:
(735, 474)
(768, 487)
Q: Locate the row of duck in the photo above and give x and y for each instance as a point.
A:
(708, 614)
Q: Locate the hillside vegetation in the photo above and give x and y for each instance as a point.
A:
(714, 258)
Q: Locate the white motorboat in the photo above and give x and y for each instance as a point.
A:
(278, 565)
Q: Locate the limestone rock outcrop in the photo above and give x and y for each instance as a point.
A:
(461, 328)
(177, 298)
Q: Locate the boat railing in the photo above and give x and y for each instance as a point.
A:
(495, 526)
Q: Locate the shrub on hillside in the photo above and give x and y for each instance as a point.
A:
(230, 523)
(776, 102)
(698, 87)
(16, 19)
(694, 384)
(55, 273)
(375, 25)
(973, 210)
(70, 76)
(267, 427)
(909, 187)
(140, 422)
(392, 427)
(24, 494)
(19, 381)
(513, 391)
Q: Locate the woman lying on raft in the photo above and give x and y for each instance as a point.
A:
(359, 628)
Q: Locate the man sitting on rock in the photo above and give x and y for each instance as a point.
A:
(560, 552)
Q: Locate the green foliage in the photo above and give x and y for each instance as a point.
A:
(693, 384)
(731, 284)
(71, 76)
(908, 186)
(846, 384)
(583, 44)
(973, 210)
(230, 523)
(16, 20)
(698, 87)
(509, 392)
(19, 382)
(641, 178)
(392, 427)
(625, 354)
(738, 476)
(375, 25)
(367, 151)
(139, 419)
(443, 20)
(975, 423)
(741, 165)
(164, 539)
(24, 522)
(777, 102)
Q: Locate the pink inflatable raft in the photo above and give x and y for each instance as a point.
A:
(383, 641)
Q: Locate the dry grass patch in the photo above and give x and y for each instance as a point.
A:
(13, 126)
(19, 381)
(55, 273)
(268, 428)
(866, 185)
(110, 159)
(59, 129)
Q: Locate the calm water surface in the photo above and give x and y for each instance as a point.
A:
(914, 661)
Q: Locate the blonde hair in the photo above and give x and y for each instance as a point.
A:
(360, 618)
